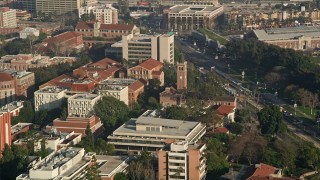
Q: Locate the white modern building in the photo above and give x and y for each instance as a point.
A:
(141, 47)
(152, 134)
(105, 14)
(49, 98)
(81, 105)
(29, 32)
(117, 88)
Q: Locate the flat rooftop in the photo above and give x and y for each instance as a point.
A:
(84, 96)
(193, 9)
(18, 127)
(109, 164)
(287, 33)
(51, 89)
(170, 127)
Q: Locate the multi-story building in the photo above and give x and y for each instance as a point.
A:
(191, 17)
(23, 15)
(29, 5)
(5, 130)
(23, 62)
(105, 14)
(29, 32)
(149, 69)
(49, 98)
(182, 161)
(106, 31)
(15, 84)
(8, 18)
(152, 134)
(58, 6)
(81, 105)
(142, 46)
(297, 38)
(117, 88)
(135, 90)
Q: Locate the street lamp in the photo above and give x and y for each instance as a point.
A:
(295, 108)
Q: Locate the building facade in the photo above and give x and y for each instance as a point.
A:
(29, 32)
(105, 14)
(182, 161)
(81, 105)
(182, 80)
(8, 18)
(49, 98)
(140, 47)
(5, 133)
(149, 69)
(117, 88)
(58, 6)
(64, 42)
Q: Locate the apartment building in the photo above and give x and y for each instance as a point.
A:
(8, 18)
(49, 98)
(106, 31)
(149, 69)
(15, 84)
(105, 14)
(81, 105)
(58, 6)
(152, 134)
(297, 38)
(5, 130)
(117, 88)
(141, 46)
(191, 17)
(180, 160)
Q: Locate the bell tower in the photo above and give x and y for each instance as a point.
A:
(182, 74)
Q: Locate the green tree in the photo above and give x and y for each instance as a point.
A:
(89, 139)
(111, 111)
(309, 155)
(102, 147)
(42, 36)
(235, 128)
(175, 112)
(216, 159)
(271, 120)
(26, 114)
(92, 170)
(120, 176)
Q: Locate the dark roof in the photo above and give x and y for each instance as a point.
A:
(90, 25)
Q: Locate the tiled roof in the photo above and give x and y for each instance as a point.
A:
(150, 64)
(58, 81)
(5, 77)
(156, 73)
(104, 63)
(261, 171)
(221, 130)
(90, 25)
(85, 25)
(136, 85)
(225, 109)
(62, 37)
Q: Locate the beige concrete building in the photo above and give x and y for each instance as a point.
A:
(117, 88)
(58, 6)
(105, 14)
(81, 105)
(141, 47)
(8, 18)
(152, 134)
(182, 161)
(49, 98)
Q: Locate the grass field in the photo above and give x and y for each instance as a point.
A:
(214, 36)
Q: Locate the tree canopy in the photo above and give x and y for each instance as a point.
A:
(271, 120)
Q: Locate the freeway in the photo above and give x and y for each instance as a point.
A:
(206, 63)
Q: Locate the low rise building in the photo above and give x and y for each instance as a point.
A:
(225, 100)
(182, 161)
(149, 69)
(105, 14)
(135, 89)
(106, 31)
(171, 97)
(23, 15)
(81, 105)
(8, 18)
(76, 124)
(227, 113)
(264, 171)
(13, 108)
(49, 98)
(45, 27)
(19, 129)
(141, 46)
(152, 134)
(29, 32)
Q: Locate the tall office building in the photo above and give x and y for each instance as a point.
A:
(5, 130)
(29, 5)
(182, 79)
(8, 18)
(141, 47)
(58, 6)
(182, 161)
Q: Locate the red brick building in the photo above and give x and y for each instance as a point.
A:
(5, 130)
(135, 89)
(149, 69)
(76, 124)
(107, 31)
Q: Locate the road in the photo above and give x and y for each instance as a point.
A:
(202, 60)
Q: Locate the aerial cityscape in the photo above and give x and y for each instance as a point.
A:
(159, 90)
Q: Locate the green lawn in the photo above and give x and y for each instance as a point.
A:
(214, 36)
